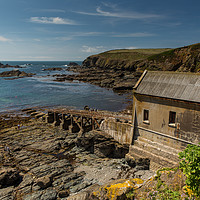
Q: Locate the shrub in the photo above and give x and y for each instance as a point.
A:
(190, 164)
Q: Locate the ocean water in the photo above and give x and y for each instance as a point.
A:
(40, 90)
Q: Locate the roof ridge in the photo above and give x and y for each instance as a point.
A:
(140, 79)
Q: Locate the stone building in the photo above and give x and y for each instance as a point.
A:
(166, 115)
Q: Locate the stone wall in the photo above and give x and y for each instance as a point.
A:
(120, 131)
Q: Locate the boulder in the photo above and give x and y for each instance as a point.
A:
(44, 182)
(63, 193)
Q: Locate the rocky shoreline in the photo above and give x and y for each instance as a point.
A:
(41, 161)
(118, 80)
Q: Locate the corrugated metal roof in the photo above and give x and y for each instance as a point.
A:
(174, 85)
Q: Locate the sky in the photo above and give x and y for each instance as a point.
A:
(72, 30)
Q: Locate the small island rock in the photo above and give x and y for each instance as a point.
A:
(15, 73)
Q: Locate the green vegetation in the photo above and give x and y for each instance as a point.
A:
(130, 195)
(162, 56)
(191, 168)
(195, 47)
(162, 190)
(131, 54)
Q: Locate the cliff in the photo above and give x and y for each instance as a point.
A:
(185, 59)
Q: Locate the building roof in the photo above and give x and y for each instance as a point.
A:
(173, 85)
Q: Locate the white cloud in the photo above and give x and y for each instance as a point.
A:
(127, 15)
(135, 35)
(88, 49)
(3, 39)
(131, 48)
(71, 36)
(52, 10)
(64, 38)
(52, 20)
(110, 5)
(37, 40)
(89, 34)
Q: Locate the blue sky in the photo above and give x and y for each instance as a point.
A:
(75, 29)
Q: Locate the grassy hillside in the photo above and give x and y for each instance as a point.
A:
(131, 54)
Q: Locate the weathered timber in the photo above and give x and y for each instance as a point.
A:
(82, 121)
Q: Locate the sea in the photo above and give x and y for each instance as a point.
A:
(41, 91)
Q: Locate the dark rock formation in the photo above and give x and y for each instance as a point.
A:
(9, 66)
(53, 69)
(102, 145)
(108, 78)
(73, 64)
(9, 177)
(16, 73)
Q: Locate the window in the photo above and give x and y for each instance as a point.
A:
(172, 117)
(146, 116)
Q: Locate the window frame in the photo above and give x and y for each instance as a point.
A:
(146, 116)
(172, 118)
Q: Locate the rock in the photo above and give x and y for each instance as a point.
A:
(104, 149)
(86, 195)
(79, 187)
(116, 190)
(68, 180)
(53, 69)
(16, 73)
(49, 194)
(7, 193)
(44, 182)
(140, 164)
(102, 145)
(33, 196)
(9, 177)
(102, 77)
(55, 168)
(46, 146)
(63, 194)
(143, 163)
(131, 161)
(124, 85)
(73, 64)
(9, 66)
(25, 186)
(80, 196)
